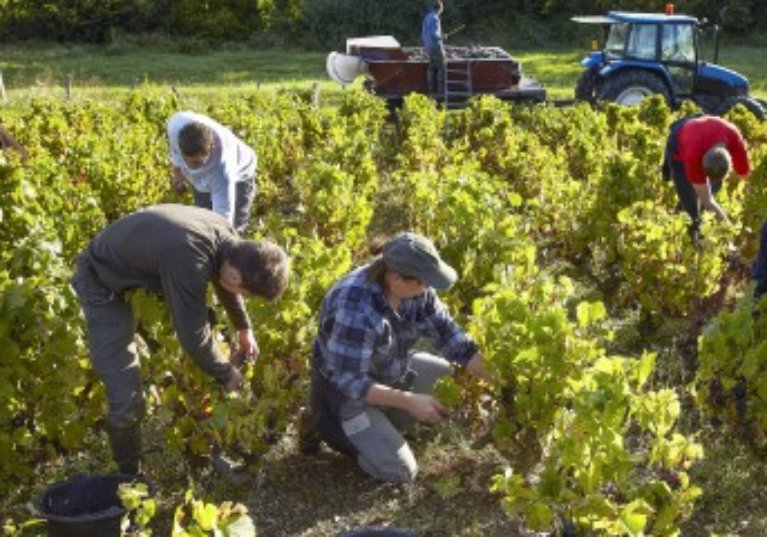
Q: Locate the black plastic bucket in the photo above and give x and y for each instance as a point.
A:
(83, 506)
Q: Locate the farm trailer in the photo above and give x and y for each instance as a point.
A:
(393, 71)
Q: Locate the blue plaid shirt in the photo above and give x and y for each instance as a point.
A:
(361, 340)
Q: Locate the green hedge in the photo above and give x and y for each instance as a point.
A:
(315, 22)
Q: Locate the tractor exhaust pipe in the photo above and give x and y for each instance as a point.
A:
(716, 43)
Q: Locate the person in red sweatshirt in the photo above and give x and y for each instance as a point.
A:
(700, 152)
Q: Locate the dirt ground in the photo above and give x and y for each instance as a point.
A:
(291, 495)
(326, 495)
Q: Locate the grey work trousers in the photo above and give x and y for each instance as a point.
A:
(111, 328)
(245, 194)
(374, 434)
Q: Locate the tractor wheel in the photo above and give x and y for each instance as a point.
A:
(752, 105)
(630, 87)
(585, 88)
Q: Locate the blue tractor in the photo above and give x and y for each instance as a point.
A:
(646, 53)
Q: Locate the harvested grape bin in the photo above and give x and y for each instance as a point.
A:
(393, 71)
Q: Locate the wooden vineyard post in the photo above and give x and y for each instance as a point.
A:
(68, 86)
(3, 94)
(316, 95)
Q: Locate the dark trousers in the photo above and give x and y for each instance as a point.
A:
(688, 198)
(244, 195)
(435, 71)
(759, 267)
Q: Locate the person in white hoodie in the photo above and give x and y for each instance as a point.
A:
(220, 167)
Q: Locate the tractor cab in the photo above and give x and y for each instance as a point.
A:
(647, 53)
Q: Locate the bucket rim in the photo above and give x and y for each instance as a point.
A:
(36, 508)
(112, 512)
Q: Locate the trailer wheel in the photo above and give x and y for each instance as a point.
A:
(630, 87)
(752, 105)
(585, 88)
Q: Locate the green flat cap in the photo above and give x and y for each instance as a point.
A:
(414, 255)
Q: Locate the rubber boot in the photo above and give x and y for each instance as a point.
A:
(126, 448)
(309, 439)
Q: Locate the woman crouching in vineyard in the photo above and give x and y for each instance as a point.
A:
(174, 251)
(367, 383)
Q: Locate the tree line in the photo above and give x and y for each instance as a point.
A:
(317, 22)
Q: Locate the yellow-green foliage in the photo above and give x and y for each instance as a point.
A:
(509, 194)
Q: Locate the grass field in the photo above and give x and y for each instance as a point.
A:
(107, 73)
(210, 72)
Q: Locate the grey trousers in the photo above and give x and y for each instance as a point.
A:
(111, 328)
(373, 435)
(245, 195)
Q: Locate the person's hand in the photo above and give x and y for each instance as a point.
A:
(179, 185)
(248, 344)
(178, 181)
(426, 408)
(235, 381)
(476, 367)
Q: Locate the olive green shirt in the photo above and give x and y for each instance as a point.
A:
(173, 250)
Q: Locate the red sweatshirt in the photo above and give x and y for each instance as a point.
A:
(700, 134)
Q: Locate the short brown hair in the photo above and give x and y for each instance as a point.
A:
(717, 162)
(376, 271)
(263, 265)
(195, 139)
